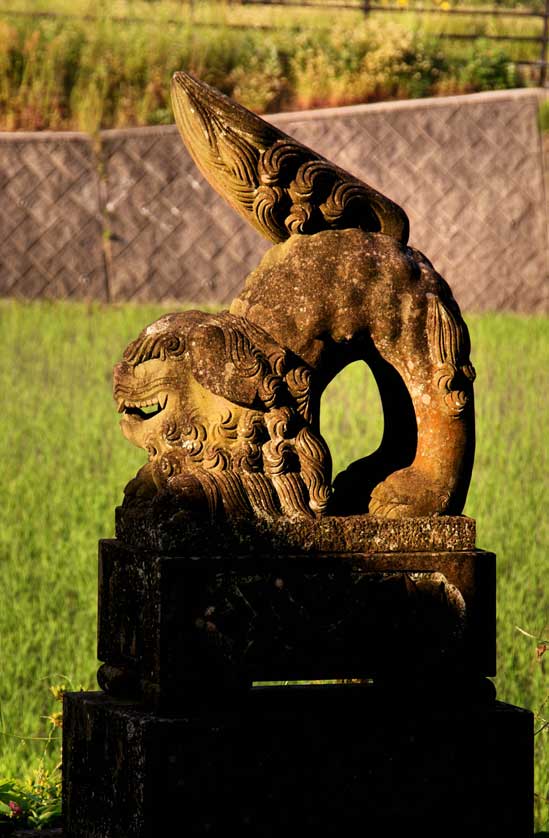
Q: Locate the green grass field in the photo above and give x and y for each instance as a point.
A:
(65, 463)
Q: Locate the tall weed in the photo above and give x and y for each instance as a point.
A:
(89, 74)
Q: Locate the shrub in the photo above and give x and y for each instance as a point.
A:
(486, 67)
(36, 801)
(85, 75)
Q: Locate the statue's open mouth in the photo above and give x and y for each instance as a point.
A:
(144, 409)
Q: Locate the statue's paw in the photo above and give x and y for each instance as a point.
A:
(409, 493)
(192, 500)
(142, 488)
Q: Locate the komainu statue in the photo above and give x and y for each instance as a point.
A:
(228, 405)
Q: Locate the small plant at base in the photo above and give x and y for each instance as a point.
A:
(540, 715)
(36, 801)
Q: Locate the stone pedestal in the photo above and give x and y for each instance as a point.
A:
(353, 597)
(226, 622)
(191, 620)
(314, 760)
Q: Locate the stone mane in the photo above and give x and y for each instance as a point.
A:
(230, 426)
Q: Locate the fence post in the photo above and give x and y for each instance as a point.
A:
(366, 7)
(544, 44)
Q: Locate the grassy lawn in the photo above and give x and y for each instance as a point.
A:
(113, 68)
(65, 464)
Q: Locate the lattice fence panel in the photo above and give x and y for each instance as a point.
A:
(51, 228)
(469, 174)
(172, 237)
(468, 171)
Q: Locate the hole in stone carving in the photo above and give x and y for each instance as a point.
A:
(325, 682)
(371, 432)
(351, 415)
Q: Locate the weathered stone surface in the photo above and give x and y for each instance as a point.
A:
(160, 527)
(316, 760)
(342, 296)
(173, 627)
(238, 562)
(227, 406)
(231, 432)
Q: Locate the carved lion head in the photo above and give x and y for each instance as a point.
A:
(224, 413)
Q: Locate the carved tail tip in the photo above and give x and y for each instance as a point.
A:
(185, 80)
(186, 87)
(188, 92)
(184, 83)
(231, 144)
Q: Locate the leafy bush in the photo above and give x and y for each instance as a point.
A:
(366, 65)
(36, 801)
(485, 67)
(83, 74)
(260, 82)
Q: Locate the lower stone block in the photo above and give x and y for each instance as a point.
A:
(180, 624)
(313, 760)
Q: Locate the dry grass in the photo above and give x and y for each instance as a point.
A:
(74, 73)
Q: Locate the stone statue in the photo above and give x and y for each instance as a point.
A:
(228, 405)
(237, 564)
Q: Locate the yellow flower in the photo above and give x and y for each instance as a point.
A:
(57, 691)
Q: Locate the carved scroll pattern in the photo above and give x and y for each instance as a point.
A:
(280, 186)
(450, 348)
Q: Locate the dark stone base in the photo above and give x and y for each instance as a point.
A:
(313, 760)
(170, 626)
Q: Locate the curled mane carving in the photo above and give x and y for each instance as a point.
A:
(239, 440)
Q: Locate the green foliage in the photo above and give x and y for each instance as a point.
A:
(86, 74)
(362, 65)
(36, 801)
(65, 464)
(261, 81)
(544, 115)
(485, 67)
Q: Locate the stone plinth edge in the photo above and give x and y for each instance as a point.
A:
(171, 532)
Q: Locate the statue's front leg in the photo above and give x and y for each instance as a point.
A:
(142, 487)
(439, 380)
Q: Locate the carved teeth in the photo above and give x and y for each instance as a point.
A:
(140, 409)
(144, 403)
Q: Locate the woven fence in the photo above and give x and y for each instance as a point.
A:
(127, 216)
